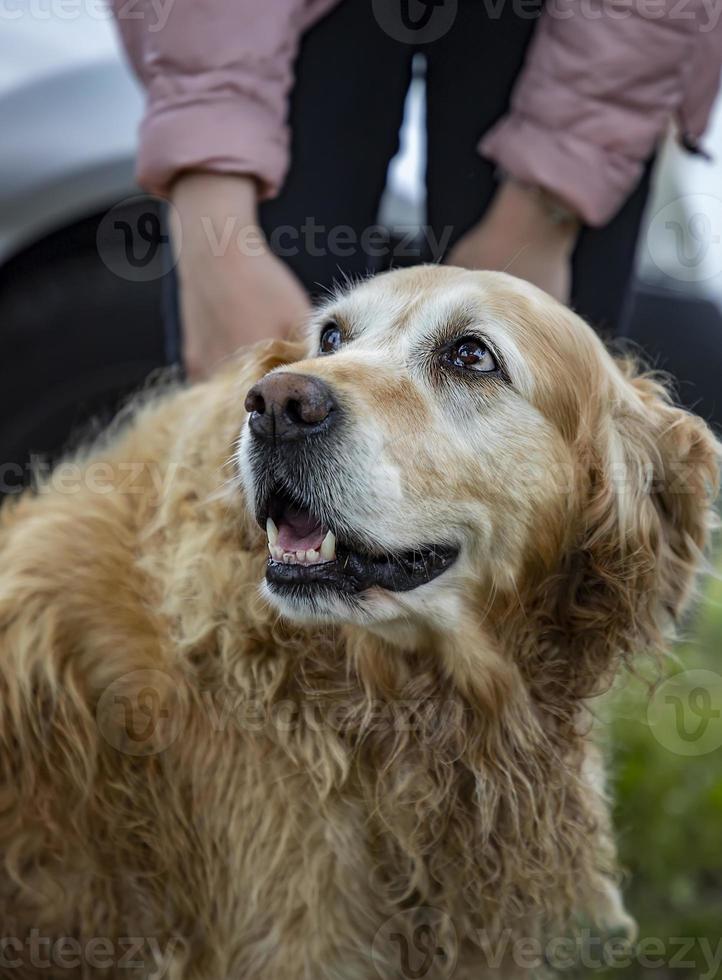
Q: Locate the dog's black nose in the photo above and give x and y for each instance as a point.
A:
(287, 406)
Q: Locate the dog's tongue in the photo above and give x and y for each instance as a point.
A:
(299, 531)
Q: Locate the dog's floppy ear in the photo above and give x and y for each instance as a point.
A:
(265, 355)
(675, 503)
(648, 479)
(252, 363)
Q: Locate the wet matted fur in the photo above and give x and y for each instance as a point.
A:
(256, 788)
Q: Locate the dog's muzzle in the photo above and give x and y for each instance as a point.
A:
(295, 424)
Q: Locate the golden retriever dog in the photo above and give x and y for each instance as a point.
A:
(295, 664)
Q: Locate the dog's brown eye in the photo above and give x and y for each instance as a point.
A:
(330, 339)
(469, 354)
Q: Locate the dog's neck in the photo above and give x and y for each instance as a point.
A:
(465, 646)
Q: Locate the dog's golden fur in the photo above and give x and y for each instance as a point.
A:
(291, 815)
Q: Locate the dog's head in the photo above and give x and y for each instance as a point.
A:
(457, 437)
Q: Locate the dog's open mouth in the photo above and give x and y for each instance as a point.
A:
(305, 552)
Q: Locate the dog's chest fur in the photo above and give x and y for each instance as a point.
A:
(300, 810)
(317, 785)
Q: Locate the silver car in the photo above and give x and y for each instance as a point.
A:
(81, 325)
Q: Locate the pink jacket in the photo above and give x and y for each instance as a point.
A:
(601, 82)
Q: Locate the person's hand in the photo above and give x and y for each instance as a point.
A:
(519, 235)
(233, 289)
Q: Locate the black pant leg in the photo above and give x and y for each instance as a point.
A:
(346, 109)
(604, 262)
(470, 74)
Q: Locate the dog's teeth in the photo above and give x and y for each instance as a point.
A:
(272, 532)
(328, 547)
(310, 557)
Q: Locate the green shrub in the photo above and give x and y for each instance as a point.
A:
(668, 807)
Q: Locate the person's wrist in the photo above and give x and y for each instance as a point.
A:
(529, 213)
(215, 216)
(236, 193)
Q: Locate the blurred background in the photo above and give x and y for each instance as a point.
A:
(81, 328)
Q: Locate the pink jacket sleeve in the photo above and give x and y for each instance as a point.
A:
(217, 75)
(601, 81)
